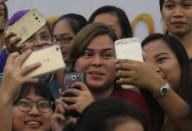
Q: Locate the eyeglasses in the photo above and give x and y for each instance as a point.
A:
(63, 40)
(25, 105)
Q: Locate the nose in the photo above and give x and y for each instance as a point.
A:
(178, 12)
(158, 70)
(97, 61)
(34, 110)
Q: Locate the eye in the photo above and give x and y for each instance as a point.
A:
(161, 59)
(43, 104)
(187, 5)
(24, 103)
(66, 39)
(87, 54)
(108, 55)
(45, 37)
(169, 5)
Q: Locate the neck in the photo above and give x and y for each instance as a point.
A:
(186, 40)
(100, 94)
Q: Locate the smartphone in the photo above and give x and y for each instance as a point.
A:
(69, 79)
(72, 77)
(51, 60)
(129, 48)
(27, 25)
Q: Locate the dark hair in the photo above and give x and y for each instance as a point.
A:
(85, 36)
(76, 21)
(161, 2)
(106, 114)
(121, 15)
(183, 89)
(41, 89)
(5, 11)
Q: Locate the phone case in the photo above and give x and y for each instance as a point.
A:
(51, 60)
(128, 48)
(27, 25)
(70, 78)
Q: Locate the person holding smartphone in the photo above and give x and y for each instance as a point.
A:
(93, 53)
(164, 80)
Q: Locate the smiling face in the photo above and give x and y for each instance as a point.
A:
(159, 54)
(98, 62)
(63, 35)
(111, 20)
(177, 14)
(33, 120)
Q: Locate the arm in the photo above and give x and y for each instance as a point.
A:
(146, 76)
(13, 78)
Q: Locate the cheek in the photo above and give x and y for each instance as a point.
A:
(28, 45)
(18, 118)
(81, 65)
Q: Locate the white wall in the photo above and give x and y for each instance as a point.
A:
(85, 7)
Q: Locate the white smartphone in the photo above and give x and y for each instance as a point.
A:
(129, 48)
(27, 25)
(50, 58)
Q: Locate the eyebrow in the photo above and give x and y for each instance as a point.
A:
(106, 49)
(162, 53)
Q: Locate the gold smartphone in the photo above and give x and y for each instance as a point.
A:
(128, 48)
(50, 58)
(27, 25)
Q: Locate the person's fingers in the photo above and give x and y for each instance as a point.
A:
(15, 40)
(11, 58)
(125, 81)
(19, 61)
(73, 91)
(60, 109)
(60, 101)
(9, 35)
(30, 68)
(80, 85)
(125, 74)
(58, 116)
(70, 99)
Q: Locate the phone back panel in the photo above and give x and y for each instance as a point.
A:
(51, 60)
(128, 48)
(27, 25)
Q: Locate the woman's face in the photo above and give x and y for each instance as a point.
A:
(111, 20)
(177, 15)
(98, 62)
(63, 35)
(158, 53)
(39, 40)
(34, 119)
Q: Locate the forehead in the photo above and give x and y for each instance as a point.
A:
(33, 95)
(62, 27)
(101, 41)
(157, 46)
(107, 18)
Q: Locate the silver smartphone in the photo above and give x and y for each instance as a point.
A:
(27, 25)
(129, 48)
(50, 58)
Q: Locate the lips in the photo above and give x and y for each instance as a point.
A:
(33, 123)
(96, 73)
(178, 23)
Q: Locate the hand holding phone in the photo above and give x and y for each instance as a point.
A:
(128, 48)
(26, 26)
(69, 79)
(50, 58)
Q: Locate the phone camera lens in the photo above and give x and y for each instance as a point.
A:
(57, 49)
(36, 18)
(73, 77)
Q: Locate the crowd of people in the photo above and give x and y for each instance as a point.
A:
(160, 101)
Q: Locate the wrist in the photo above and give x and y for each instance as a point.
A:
(162, 91)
